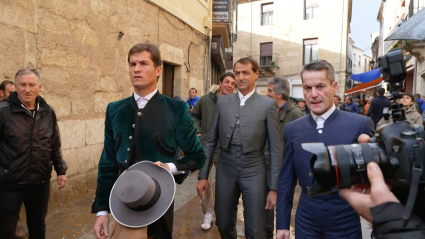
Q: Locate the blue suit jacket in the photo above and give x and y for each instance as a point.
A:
(340, 128)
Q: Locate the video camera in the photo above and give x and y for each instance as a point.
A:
(398, 149)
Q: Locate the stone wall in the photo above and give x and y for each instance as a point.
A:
(83, 66)
(287, 33)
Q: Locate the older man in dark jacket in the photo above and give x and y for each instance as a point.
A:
(29, 146)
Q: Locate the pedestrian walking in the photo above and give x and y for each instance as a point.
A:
(29, 146)
(146, 126)
(303, 107)
(337, 103)
(6, 87)
(203, 113)
(326, 216)
(377, 106)
(193, 98)
(366, 108)
(242, 122)
(351, 105)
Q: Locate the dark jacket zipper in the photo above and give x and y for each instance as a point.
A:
(31, 136)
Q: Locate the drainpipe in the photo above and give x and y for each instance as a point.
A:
(415, 72)
(250, 35)
(340, 50)
(209, 52)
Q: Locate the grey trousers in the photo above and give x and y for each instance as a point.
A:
(239, 173)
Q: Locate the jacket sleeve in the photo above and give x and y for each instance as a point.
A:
(275, 143)
(211, 142)
(197, 116)
(419, 120)
(194, 155)
(56, 155)
(286, 185)
(108, 168)
(368, 127)
(388, 222)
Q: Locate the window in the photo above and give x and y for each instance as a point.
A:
(360, 60)
(267, 14)
(266, 53)
(311, 9)
(354, 59)
(311, 49)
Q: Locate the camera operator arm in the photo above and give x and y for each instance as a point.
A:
(388, 222)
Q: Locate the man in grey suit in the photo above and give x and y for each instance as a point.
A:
(241, 123)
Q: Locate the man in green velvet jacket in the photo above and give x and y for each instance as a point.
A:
(145, 126)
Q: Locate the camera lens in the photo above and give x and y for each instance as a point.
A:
(341, 166)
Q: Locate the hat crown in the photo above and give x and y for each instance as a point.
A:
(135, 188)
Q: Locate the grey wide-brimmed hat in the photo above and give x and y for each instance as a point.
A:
(142, 194)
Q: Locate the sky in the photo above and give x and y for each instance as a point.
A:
(363, 23)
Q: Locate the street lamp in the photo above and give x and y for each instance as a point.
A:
(372, 64)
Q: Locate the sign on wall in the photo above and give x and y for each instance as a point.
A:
(220, 11)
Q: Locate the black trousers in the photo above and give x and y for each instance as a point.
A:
(35, 199)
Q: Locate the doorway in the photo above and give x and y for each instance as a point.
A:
(168, 80)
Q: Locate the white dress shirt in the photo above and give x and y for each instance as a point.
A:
(141, 103)
(320, 119)
(244, 98)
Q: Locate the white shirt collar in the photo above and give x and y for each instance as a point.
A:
(325, 115)
(148, 97)
(247, 95)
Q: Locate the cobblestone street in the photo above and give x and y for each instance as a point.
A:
(76, 221)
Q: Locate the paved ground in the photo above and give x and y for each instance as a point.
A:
(75, 220)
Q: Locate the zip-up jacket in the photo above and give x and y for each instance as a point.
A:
(29, 143)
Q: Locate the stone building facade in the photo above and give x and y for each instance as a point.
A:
(82, 59)
(291, 28)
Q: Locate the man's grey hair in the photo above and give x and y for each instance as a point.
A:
(280, 86)
(318, 65)
(26, 71)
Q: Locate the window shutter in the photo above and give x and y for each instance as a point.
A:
(266, 49)
(311, 3)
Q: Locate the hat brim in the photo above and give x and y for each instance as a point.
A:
(135, 219)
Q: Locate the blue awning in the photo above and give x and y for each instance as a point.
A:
(367, 76)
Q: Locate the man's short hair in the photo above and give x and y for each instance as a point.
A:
(417, 96)
(26, 71)
(337, 96)
(318, 65)
(280, 86)
(4, 84)
(245, 61)
(349, 97)
(381, 91)
(193, 89)
(149, 47)
(226, 75)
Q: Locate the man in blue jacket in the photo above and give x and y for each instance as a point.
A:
(377, 106)
(326, 216)
(351, 105)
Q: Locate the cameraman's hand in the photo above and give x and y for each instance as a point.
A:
(363, 138)
(379, 193)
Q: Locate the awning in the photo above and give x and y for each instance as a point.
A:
(412, 29)
(367, 76)
(366, 86)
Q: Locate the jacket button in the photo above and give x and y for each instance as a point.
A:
(128, 149)
(130, 137)
(139, 113)
(134, 126)
(125, 161)
(228, 136)
(320, 131)
(310, 175)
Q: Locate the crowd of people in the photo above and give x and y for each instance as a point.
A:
(253, 141)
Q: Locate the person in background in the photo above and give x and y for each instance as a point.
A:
(351, 105)
(377, 106)
(412, 116)
(366, 108)
(279, 89)
(303, 107)
(360, 105)
(337, 103)
(6, 87)
(193, 98)
(30, 145)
